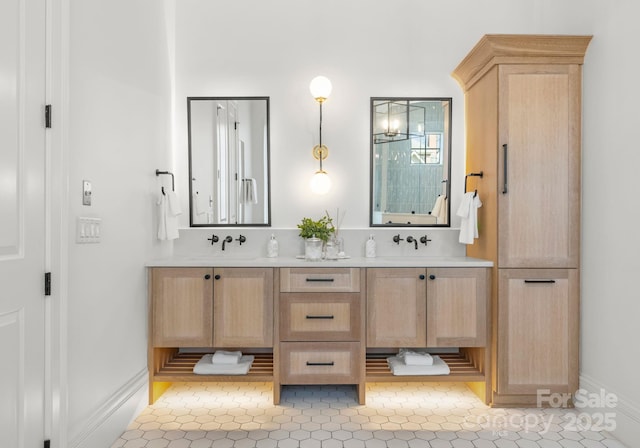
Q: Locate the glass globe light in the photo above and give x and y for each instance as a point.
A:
(320, 182)
(320, 88)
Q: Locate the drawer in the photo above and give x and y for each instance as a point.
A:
(319, 279)
(320, 317)
(320, 362)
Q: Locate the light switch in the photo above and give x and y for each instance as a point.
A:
(88, 230)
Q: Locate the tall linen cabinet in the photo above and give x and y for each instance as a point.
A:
(523, 133)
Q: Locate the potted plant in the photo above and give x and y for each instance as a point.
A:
(315, 234)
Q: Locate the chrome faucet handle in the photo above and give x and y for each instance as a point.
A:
(214, 239)
(241, 239)
(424, 240)
(397, 239)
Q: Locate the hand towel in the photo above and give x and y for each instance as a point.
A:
(199, 207)
(206, 367)
(436, 211)
(174, 203)
(249, 191)
(468, 211)
(224, 357)
(398, 367)
(440, 210)
(167, 220)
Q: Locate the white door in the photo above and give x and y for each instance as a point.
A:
(22, 222)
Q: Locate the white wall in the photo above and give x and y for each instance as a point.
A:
(409, 48)
(119, 111)
(611, 158)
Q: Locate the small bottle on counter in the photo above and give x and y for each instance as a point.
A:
(272, 247)
(370, 247)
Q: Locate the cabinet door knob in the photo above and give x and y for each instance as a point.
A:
(421, 276)
(217, 277)
(432, 277)
(207, 277)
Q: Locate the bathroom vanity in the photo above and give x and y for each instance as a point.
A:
(328, 322)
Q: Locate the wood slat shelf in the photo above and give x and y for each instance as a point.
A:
(462, 369)
(180, 368)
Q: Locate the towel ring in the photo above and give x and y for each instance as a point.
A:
(480, 175)
(173, 185)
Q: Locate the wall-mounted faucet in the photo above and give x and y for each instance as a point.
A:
(397, 239)
(424, 240)
(214, 239)
(241, 239)
(411, 239)
(227, 239)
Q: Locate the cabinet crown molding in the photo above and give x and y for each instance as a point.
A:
(493, 49)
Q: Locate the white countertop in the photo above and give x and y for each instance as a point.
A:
(351, 262)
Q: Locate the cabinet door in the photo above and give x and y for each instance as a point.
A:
(539, 122)
(182, 307)
(457, 307)
(396, 308)
(538, 315)
(243, 307)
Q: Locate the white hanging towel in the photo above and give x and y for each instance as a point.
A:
(468, 211)
(199, 204)
(439, 210)
(168, 211)
(249, 191)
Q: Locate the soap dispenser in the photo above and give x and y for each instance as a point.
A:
(272, 247)
(370, 247)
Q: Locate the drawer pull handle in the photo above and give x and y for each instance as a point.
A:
(319, 279)
(539, 281)
(309, 363)
(319, 317)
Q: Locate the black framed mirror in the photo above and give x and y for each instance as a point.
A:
(229, 161)
(410, 162)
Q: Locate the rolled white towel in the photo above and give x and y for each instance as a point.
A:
(418, 359)
(398, 367)
(224, 357)
(415, 357)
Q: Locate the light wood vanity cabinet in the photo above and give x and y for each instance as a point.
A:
(243, 307)
(202, 309)
(321, 316)
(523, 132)
(420, 307)
(182, 307)
(314, 325)
(396, 307)
(457, 307)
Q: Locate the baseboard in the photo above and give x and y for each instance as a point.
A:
(626, 413)
(112, 418)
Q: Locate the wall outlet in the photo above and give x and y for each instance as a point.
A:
(88, 230)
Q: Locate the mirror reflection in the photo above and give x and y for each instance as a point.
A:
(410, 154)
(229, 161)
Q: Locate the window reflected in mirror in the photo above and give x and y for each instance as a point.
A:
(229, 161)
(410, 154)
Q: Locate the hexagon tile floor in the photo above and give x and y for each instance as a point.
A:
(397, 415)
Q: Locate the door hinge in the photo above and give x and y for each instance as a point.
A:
(47, 116)
(47, 444)
(47, 283)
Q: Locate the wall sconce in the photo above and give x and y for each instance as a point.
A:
(320, 88)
